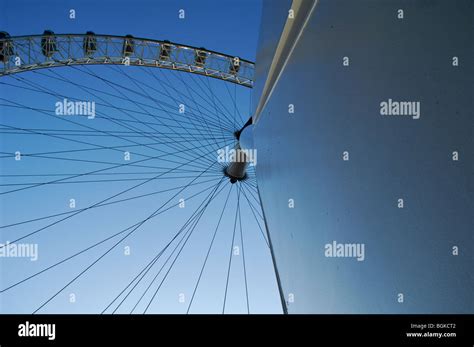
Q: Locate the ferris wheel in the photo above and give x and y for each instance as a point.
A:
(115, 168)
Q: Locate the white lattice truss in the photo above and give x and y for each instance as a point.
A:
(25, 53)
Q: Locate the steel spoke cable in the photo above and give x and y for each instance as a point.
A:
(227, 120)
(113, 85)
(243, 257)
(209, 250)
(98, 243)
(253, 210)
(120, 122)
(234, 102)
(178, 254)
(88, 143)
(47, 91)
(215, 108)
(110, 249)
(223, 110)
(95, 204)
(103, 169)
(206, 115)
(231, 253)
(209, 133)
(104, 180)
(222, 107)
(154, 100)
(150, 265)
(100, 205)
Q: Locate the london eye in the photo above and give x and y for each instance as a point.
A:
(117, 130)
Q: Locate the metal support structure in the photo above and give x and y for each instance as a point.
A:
(237, 170)
(25, 53)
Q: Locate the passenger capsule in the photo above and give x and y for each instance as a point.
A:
(128, 46)
(90, 43)
(6, 46)
(234, 66)
(200, 56)
(165, 50)
(48, 43)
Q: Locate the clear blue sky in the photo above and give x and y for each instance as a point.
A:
(226, 26)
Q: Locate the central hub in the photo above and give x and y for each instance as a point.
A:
(236, 170)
